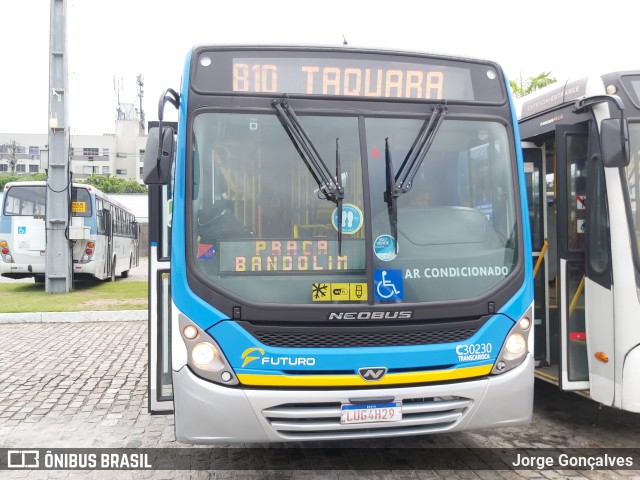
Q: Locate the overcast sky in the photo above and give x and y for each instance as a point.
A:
(124, 38)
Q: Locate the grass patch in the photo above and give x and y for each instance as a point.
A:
(85, 296)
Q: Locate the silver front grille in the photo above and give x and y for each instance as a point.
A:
(322, 421)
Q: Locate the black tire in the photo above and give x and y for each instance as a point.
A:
(38, 278)
(125, 274)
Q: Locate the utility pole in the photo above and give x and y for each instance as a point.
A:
(58, 261)
(140, 82)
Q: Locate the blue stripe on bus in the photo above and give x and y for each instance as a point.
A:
(247, 355)
(518, 305)
(196, 309)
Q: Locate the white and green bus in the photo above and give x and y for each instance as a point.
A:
(103, 233)
(582, 158)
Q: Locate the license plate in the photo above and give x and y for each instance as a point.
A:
(371, 413)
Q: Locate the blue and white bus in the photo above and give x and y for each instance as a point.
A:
(347, 254)
(582, 158)
(103, 233)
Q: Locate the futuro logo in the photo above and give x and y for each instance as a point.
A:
(249, 351)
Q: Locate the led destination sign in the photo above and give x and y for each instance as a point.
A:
(346, 74)
(346, 78)
(290, 256)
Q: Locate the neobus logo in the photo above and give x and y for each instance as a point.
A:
(372, 373)
(370, 315)
(255, 353)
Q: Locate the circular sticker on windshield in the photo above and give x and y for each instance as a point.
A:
(352, 218)
(385, 248)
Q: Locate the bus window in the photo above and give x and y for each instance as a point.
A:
(257, 212)
(100, 215)
(461, 243)
(577, 191)
(25, 200)
(81, 203)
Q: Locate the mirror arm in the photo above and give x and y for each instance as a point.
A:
(173, 97)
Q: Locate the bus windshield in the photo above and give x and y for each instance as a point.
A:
(25, 201)
(262, 230)
(30, 200)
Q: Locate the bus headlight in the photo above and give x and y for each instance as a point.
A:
(516, 346)
(205, 357)
(190, 332)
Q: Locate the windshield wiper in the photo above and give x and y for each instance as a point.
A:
(329, 186)
(401, 182)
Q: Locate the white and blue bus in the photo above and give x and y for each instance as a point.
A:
(103, 233)
(348, 251)
(582, 160)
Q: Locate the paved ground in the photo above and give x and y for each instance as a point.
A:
(84, 385)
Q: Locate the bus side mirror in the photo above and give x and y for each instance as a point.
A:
(158, 158)
(615, 143)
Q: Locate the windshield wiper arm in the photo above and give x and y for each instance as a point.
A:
(329, 186)
(391, 195)
(401, 182)
(339, 196)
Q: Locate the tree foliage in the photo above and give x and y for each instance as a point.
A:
(524, 87)
(105, 183)
(109, 184)
(12, 177)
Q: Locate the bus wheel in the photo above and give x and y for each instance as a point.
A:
(125, 274)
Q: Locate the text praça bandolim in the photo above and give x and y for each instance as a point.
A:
(289, 256)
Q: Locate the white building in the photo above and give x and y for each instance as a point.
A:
(120, 154)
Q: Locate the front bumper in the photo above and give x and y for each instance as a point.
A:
(206, 413)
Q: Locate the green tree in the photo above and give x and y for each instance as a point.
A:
(109, 184)
(525, 87)
(6, 178)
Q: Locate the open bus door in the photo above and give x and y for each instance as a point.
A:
(158, 175)
(535, 175)
(572, 149)
(580, 320)
(160, 381)
(108, 246)
(584, 253)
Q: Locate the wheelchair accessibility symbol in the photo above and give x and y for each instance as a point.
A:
(22, 230)
(388, 284)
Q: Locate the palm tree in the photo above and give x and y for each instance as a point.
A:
(522, 88)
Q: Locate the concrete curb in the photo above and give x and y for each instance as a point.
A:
(75, 317)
